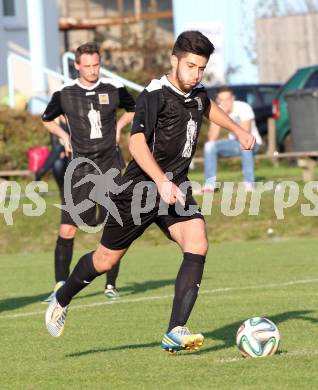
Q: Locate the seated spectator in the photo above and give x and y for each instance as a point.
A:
(242, 113)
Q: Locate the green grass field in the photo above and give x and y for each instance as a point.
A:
(115, 345)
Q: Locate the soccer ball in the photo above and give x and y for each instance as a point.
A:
(257, 337)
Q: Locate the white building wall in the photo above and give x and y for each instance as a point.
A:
(14, 38)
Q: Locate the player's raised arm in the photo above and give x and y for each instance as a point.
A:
(127, 102)
(53, 111)
(57, 130)
(215, 114)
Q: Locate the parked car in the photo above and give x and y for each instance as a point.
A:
(303, 78)
(259, 96)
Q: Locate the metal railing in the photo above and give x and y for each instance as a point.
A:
(65, 77)
(11, 81)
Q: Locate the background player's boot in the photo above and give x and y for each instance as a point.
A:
(111, 292)
(180, 338)
(51, 296)
(55, 317)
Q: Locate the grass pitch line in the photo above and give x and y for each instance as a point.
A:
(160, 297)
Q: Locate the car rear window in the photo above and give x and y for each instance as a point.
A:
(246, 95)
(312, 81)
(268, 94)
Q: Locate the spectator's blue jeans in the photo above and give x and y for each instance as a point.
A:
(227, 148)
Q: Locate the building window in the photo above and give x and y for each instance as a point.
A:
(8, 7)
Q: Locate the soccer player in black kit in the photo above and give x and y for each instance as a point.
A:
(89, 106)
(164, 134)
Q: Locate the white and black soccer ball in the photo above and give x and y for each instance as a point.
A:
(257, 337)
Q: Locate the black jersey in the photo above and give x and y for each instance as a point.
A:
(170, 120)
(90, 114)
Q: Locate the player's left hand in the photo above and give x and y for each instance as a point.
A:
(246, 140)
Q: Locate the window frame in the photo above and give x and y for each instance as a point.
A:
(13, 4)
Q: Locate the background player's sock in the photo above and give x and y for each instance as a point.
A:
(83, 274)
(186, 288)
(63, 257)
(111, 275)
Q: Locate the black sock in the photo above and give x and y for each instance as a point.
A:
(186, 288)
(111, 275)
(63, 257)
(83, 274)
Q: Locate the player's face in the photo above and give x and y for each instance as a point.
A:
(225, 101)
(88, 68)
(188, 70)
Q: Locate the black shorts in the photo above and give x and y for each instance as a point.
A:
(92, 214)
(116, 236)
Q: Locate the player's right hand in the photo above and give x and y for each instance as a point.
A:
(170, 193)
(67, 145)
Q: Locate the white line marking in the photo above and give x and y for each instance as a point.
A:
(159, 297)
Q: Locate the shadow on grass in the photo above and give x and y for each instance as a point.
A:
(133, 288)
(137, 288)
(18, 302)
(225, 334)
(119, 348)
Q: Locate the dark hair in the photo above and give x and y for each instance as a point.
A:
(192, 42)
(86, 48)
(224, 88)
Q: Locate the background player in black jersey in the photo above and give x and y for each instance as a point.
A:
(89, 105)
(164, 132)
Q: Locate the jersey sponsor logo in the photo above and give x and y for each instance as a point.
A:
(103, 98)
(191, 135)
(96, 124)
(90, 93)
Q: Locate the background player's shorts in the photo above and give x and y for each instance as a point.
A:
(90, 216)
(118, 237)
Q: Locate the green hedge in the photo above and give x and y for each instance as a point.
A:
(19, 131)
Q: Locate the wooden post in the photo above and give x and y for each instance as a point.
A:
(137, 6)
(308, 166)
(271, 137)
